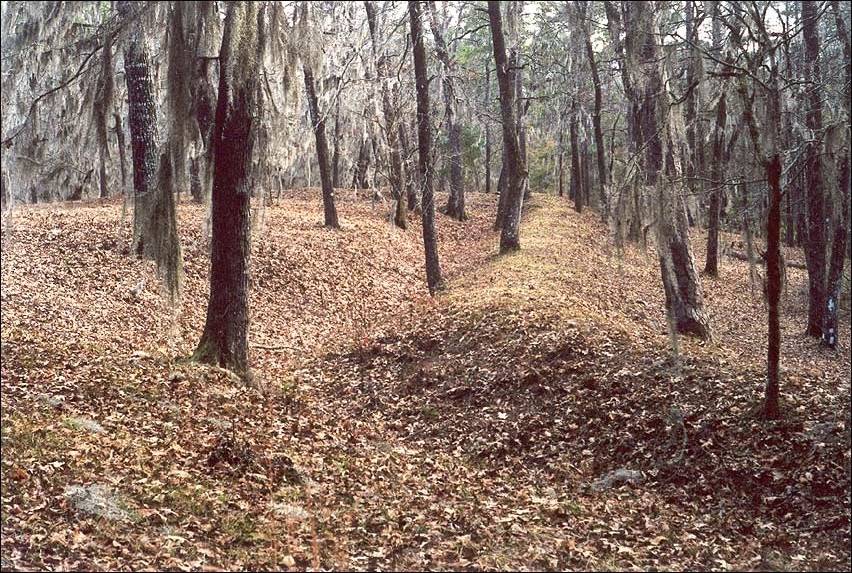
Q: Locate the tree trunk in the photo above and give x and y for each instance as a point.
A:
(224, 341)
(815, 251)
(122, 157)
(771, 409)
(576, 191)
(142, 119)
(835, 280)
(684, 305)
(487, 129)
(391, 120)
(361, 179)
(318, 124)
(559, 159)
(455, 201)
(514, 165)
(718, 176)
(409, 170)
(424, 137)
(596, 116)
(335, 156)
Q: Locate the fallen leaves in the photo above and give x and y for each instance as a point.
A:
(393, 430)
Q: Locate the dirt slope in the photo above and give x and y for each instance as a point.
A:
(391, 430)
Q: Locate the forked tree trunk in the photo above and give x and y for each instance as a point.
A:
(224, 341)
(424, 138)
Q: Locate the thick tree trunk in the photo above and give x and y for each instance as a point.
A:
(835, 280)
(224, 341)
(424, 137)
(318, 124)
(684, 305)
(815, 251)
(514, 165)
(142, 119)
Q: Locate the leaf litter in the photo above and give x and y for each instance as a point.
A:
(390, 430)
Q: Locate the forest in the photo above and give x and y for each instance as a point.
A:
(426, 285)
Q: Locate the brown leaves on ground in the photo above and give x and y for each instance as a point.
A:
(391, 430)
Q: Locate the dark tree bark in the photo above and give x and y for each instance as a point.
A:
(318, 125)
(771, 408)
(815, 251)
(424, 138)
(711, 266)
(684, 305)
(835, 280)
(142, 119)
(455, 201)
(514, 166)
(361, 179)
(224, 341)
(771, 160)
(391, 121)
(596, 115)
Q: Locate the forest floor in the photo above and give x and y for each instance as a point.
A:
(480, 429)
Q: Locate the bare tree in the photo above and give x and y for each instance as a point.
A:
(514, 166)
(224, 341)
(424, 137)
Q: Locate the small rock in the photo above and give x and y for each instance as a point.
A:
(86, 424)
(618, 477)
(97, 500)
(52, 400)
